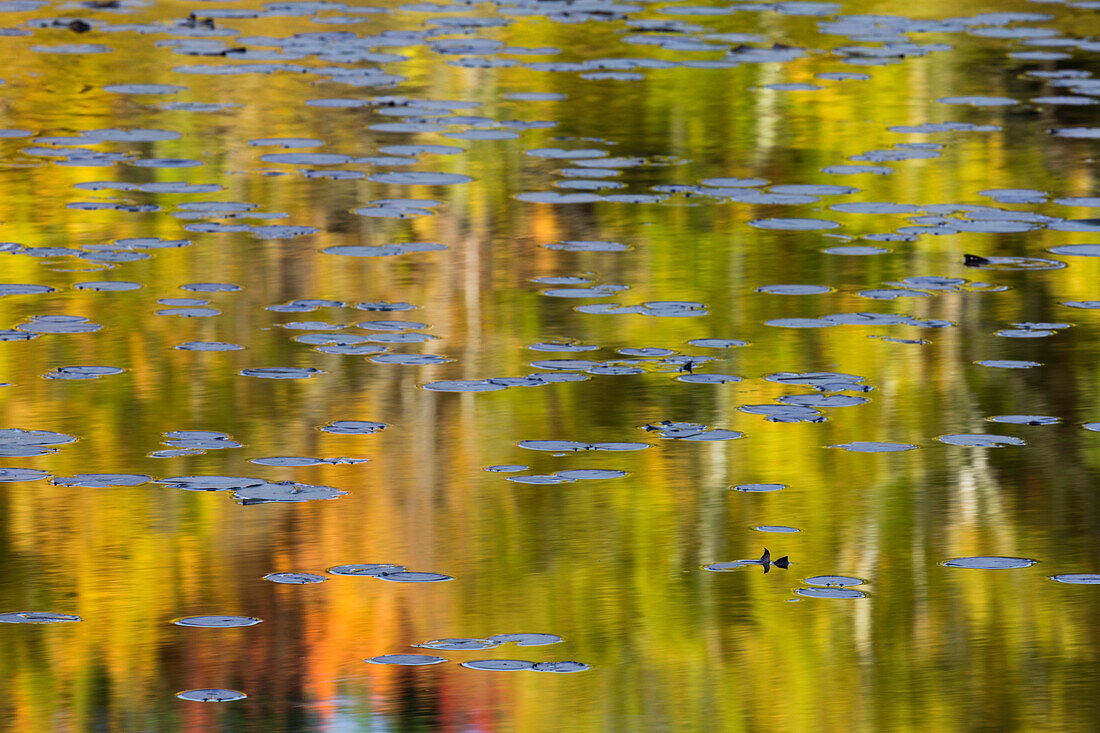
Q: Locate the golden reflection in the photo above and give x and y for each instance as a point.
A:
(614, 566)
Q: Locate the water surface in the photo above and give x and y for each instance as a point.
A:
(430, 366)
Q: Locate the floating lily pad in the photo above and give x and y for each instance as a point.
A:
(713, 343)
(855, 250)
(1008, 363)
(499, 665)
(584, 474)
(992, 562)
(15, 442)
(295, 578)
(209, 483)
(759, 488)
(366, 569)
(285, 491)
(1078, 578)
(217, 622)
(834, 580)
(794, 289)
(540, 479)
(406, 660)
(420, 178)
(59, 324)
(1026, 419)
(837, 593)
(459, 644)
(408, 576)
(82, 372)
(37, 617)
(101, 480)
(464, 385)
(800, 225)
(526, 639)
(210, 694)
(107, 285)
(560, 667)
(1077, 250)
(861, 446)
(281, 372)
(977, 440)
(287, 461)
(799, 323)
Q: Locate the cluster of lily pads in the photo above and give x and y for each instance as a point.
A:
(493, 665)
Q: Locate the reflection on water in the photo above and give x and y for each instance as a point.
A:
(337, 334)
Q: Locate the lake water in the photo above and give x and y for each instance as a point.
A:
(724, 367)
